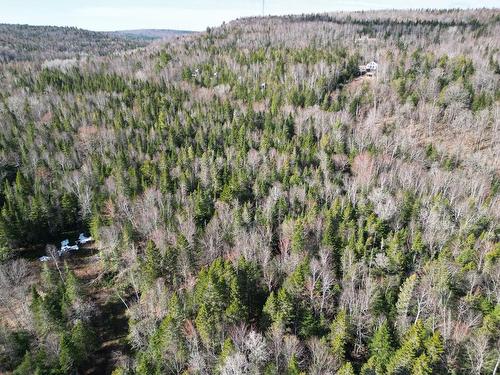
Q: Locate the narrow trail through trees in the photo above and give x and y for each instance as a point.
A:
(110, 322)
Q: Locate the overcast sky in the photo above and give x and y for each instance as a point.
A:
(186, 14)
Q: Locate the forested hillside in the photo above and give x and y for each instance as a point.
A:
(258, 205)
(25, 42)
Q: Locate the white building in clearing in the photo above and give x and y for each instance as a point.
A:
(368, 69)
(371, 66)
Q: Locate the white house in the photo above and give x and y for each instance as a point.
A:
(368, 69)
(371, 66)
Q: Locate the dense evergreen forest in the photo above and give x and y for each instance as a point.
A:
(258, 206)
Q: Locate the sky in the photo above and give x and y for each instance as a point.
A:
(196, 15)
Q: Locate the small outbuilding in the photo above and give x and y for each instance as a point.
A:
(83, 240)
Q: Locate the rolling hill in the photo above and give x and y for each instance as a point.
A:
(26, 42)
(313, 194)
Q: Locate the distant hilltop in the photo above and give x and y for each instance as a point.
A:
(28, 42)
(150, 33)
